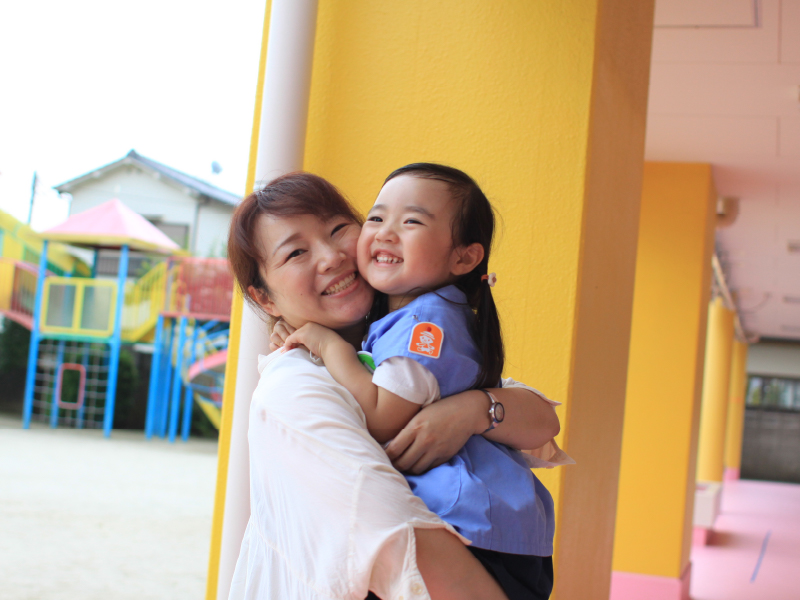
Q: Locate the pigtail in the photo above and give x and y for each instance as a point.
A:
(487, 331)
(489, 338)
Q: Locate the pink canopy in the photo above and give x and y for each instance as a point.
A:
(111, 225)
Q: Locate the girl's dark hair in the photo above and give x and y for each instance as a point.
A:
(473, 222)
(291, 194)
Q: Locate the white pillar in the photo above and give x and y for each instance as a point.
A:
(287, 82)
(281, 142)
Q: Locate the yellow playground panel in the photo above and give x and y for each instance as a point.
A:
(8, 268)
(144, 299)
(84, 307)
(78, 307)
(20, 242)
(17, 290)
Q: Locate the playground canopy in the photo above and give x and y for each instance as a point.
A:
(112, 225)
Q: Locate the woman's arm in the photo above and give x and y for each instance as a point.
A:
(530, 421)
(437, 432)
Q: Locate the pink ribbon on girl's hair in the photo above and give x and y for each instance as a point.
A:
(491, 279)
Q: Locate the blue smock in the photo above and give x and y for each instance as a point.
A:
(486, 491)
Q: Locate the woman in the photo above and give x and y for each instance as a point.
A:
(330, 516)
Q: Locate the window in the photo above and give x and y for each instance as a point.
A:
(175, 231)
(138, 263)
(773, 392)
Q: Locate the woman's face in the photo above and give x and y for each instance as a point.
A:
(310, 271)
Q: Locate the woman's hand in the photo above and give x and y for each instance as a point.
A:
(280, 331)
(438, 431)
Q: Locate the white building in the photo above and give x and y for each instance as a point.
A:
(190, 211)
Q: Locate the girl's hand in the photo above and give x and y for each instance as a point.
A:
(280, 331)
(314, 337)
(437, 432)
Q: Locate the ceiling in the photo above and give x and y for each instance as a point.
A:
(725, 90)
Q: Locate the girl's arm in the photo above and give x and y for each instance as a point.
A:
(440, 430)
(386, 413)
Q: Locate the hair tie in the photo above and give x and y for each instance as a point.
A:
(491, 279)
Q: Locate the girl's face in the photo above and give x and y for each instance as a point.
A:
(310, 271)
(406, 245)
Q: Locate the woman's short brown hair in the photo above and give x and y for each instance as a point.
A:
(291, 194)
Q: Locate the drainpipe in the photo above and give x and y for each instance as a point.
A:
(281, 143)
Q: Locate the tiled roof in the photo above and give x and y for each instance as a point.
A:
(198, 185)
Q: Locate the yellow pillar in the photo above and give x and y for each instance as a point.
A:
(735, 428)
(665, 375)
(544, 104)
(716, 380)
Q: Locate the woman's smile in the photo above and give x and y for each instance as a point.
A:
(342, 284)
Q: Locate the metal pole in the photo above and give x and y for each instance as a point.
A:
(33, 349)
(56, 396)
(164, 384)
(33, 196)
(116, 343)
(155, 364)
(176, 381)
(82, 409)
(188, 402)
(94, 262)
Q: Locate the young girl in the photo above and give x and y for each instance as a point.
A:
(425, 245)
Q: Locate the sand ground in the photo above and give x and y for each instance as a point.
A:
(85, 518)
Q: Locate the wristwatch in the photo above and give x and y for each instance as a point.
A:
(496, 411)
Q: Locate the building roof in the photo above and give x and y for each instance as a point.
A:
(111, 225)
(60, 255)
(198, 186)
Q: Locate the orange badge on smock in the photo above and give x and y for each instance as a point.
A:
(426, 339)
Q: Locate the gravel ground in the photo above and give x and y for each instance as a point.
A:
(84, 518)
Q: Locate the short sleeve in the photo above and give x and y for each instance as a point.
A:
(436, 333)
(408, 379)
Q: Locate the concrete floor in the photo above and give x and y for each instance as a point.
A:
(83, 517)
(754, 551)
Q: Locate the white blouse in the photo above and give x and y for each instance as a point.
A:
(330, 518)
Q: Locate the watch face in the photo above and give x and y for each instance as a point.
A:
(499, 412)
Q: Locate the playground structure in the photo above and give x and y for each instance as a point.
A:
(20, 251)
(190, 349)
(78, 323)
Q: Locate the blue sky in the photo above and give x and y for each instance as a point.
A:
(85, 81)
